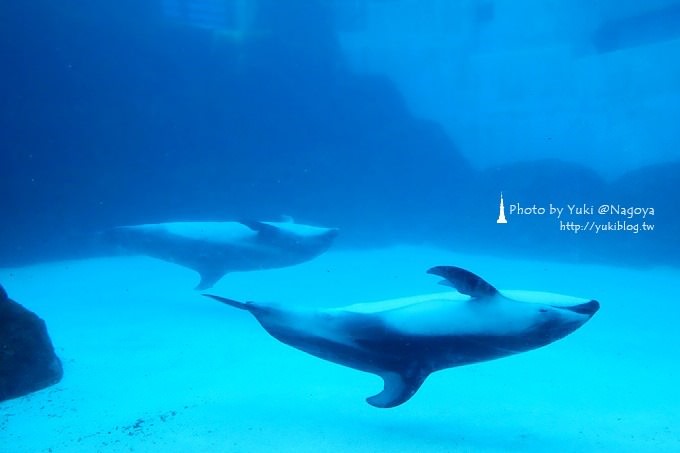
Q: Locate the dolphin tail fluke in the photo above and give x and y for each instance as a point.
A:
(208, 279)
(234, 303)
(398, 389)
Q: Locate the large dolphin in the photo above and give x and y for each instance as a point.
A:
(404, 340)
(216, 248)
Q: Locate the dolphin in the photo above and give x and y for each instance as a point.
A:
(216, 248)
(405, 340)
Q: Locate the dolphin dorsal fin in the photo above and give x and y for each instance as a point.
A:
(398, 389)
(464, 281)
(264, 230)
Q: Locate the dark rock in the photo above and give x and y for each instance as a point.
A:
(27, 359)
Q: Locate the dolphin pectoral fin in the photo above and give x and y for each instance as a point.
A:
(208, 278)
(464, 281)
(398, 388)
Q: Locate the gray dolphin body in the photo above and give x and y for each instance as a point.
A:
(405, 340)
(216, 248)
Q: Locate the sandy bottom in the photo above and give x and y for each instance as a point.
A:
(150, 365)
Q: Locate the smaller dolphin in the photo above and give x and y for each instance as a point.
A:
(216, 248)
(405, 340)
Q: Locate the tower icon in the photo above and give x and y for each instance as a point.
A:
(501, 214)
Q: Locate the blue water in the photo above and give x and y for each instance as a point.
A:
(398, 122)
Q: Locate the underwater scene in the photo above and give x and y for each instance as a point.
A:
(340, 226)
